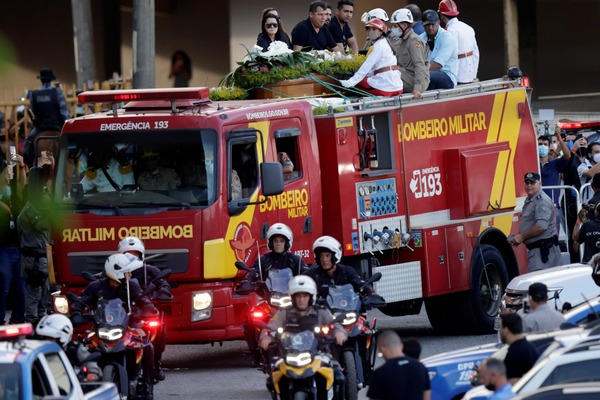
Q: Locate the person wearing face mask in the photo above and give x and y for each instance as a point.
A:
(551, 169)
(492, 374)
(412, 54)
(588, 168)
(379, 74)
(155, 176)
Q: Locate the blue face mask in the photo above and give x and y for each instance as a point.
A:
(570, 144)
(543, 150)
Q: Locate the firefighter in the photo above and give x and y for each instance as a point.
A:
(302, 315)
(280, 239)
(145, 275)
(327, 271)
(379, 74)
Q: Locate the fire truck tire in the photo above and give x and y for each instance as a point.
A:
(473, 311)
(489, 278)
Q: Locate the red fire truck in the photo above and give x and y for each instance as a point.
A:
(423, 191)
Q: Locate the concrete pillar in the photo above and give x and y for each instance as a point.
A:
(511, 32)
(83, 42)
(143, 44)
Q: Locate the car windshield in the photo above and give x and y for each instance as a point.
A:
(129, 173)
(343, 298)
(10, 379)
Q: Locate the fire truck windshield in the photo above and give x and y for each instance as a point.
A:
(136, 173)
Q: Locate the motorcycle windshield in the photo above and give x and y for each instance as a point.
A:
(111, 313)
(278, 280)
(343, 298)
(303, 341)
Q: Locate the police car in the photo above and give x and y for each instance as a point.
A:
(35, 369)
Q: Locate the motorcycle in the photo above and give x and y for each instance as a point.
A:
(358, 354)
(126, 353)
(304, 369)
(273, 293)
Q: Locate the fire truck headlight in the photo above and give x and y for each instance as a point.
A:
(201, 305)
(60, 304)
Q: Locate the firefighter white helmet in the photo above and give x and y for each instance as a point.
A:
(375, 13)
(117, 265)
(402, 15)
(328, 243)
(132, 243)
(302, 284)
(282, 230)
(56, 326)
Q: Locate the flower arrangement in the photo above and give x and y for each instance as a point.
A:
(279, 63)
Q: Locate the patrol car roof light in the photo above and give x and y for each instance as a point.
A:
(15, 332)
(117, 96)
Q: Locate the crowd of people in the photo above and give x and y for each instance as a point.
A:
(412, 56)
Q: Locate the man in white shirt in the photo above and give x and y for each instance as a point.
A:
(468, 52)
(104, 173)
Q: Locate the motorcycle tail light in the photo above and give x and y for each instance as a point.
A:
(153, 324)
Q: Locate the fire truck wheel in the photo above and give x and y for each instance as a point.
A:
(473, 311)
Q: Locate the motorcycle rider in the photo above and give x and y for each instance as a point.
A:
(116, 284)
(327, 271)
(280, 239)
(302, 315)
(59, 328)
(148, 273)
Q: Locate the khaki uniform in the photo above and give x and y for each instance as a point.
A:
(412, 54)
(539, 210)
(165, 180)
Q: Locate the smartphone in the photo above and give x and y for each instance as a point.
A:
(13, 153)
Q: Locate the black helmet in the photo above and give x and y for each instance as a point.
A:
(595, 263)
(514, 72)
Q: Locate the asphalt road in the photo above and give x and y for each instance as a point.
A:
(205, 372)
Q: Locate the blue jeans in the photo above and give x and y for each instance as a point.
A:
(439, 80)
(10, 276)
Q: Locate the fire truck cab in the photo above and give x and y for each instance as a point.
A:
(425, 192)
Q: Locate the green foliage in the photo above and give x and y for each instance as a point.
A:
(223, 93)
(341, 69)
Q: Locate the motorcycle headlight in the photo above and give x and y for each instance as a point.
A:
(61, 304)
(281, 302)
(110, 334)
(298, 360)
(349, 318)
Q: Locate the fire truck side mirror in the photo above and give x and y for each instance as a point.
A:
(271, 176)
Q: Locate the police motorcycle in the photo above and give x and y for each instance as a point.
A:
(273, 293)
(303, 370)
(123, 340)
(358, 354)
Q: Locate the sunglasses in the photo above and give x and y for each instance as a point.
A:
(271, 26)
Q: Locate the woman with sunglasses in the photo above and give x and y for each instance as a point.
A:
(272, 31)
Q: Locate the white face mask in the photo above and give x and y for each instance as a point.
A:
(373, 34)
(597, 158)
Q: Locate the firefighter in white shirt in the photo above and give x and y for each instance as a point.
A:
(468, 52)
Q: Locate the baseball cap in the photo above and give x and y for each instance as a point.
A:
(532, 176)
(430, 17)
(538, 291)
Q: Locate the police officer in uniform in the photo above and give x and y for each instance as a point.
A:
(411, 52)
(328, 271)
(538, 227)
(49, 108)
(542, 317)
(301, 316)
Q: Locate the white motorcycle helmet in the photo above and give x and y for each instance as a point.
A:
(56, 326)
(328, 243)
(375, 13)
(117, 265)
(132, 243)
(302, 284)
(402, 15)
(282, 230)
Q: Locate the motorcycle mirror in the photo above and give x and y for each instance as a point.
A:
(88, 276)
(165, 273)
(375, 277)
(241, 266)
(73, 298)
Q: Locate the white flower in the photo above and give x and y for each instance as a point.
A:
(276, 48)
